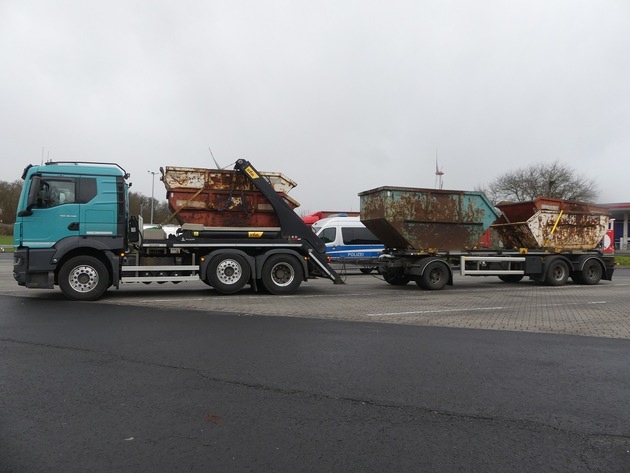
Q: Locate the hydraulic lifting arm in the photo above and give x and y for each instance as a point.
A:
(290, 223)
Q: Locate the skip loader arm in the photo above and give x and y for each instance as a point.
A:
(290, 223)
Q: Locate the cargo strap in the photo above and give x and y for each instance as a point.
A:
(170, 217)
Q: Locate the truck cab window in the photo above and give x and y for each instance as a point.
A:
(54, 192)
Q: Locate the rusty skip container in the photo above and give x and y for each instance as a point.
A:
(222, 197)
(548, 223)
(426, 219)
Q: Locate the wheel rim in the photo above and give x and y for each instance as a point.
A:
(229, 271)
(435, 276)
(282, 274)
(558, 272)
(83, 278)
(593, 271)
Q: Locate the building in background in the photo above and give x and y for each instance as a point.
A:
(621, 213)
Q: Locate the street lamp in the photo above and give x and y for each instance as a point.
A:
(153, 173)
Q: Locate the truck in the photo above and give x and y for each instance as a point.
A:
(431, 234)
(73, 230)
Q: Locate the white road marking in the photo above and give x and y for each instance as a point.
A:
(436, 311)
(471, 309)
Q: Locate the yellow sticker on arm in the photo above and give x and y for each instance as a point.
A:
(253, 174)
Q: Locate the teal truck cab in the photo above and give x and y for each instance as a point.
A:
(73, 230)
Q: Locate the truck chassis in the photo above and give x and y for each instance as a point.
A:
(434, 271)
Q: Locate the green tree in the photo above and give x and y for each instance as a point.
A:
(555, 179)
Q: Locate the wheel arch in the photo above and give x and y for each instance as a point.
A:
(582, 263)
(108, 258)
(549, 259)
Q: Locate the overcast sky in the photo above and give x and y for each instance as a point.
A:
(339, 95)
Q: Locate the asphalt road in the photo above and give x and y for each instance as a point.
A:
(134, 384)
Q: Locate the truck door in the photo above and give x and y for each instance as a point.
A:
(52, 212)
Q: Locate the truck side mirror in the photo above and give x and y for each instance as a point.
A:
(33, 193)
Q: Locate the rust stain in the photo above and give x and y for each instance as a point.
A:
(227, 198)
(213, 419)
(410, 218)
(539, 224)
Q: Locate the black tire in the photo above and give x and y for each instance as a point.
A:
(282, 274)
(557, 273)
(511, 278)
(83, 278)
(577, 277)
(396, 279)
(434, 277)
(591, 273)
(366, 270)
(228, 272)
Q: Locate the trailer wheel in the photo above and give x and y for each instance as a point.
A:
(434, 277)
(282, 274)
(591, 274)
(557, 273)
(83, 278)
(228, 272)
(396, 279)
(577, 277)
(511, 278)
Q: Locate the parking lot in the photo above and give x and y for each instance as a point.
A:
(178, 377)
(479, 303)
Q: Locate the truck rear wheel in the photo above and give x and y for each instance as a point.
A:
(282, 274)
(434, 277)
(557, 273)
(83, 278)
(228, 272)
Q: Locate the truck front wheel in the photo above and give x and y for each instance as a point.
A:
(282, 274)
(83, 278)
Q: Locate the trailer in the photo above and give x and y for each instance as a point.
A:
(73, 230)
(431, 234)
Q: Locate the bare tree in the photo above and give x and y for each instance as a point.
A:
(140, 204)
(541, 180)
(9, 196)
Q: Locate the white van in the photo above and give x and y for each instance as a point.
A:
(347, 237)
